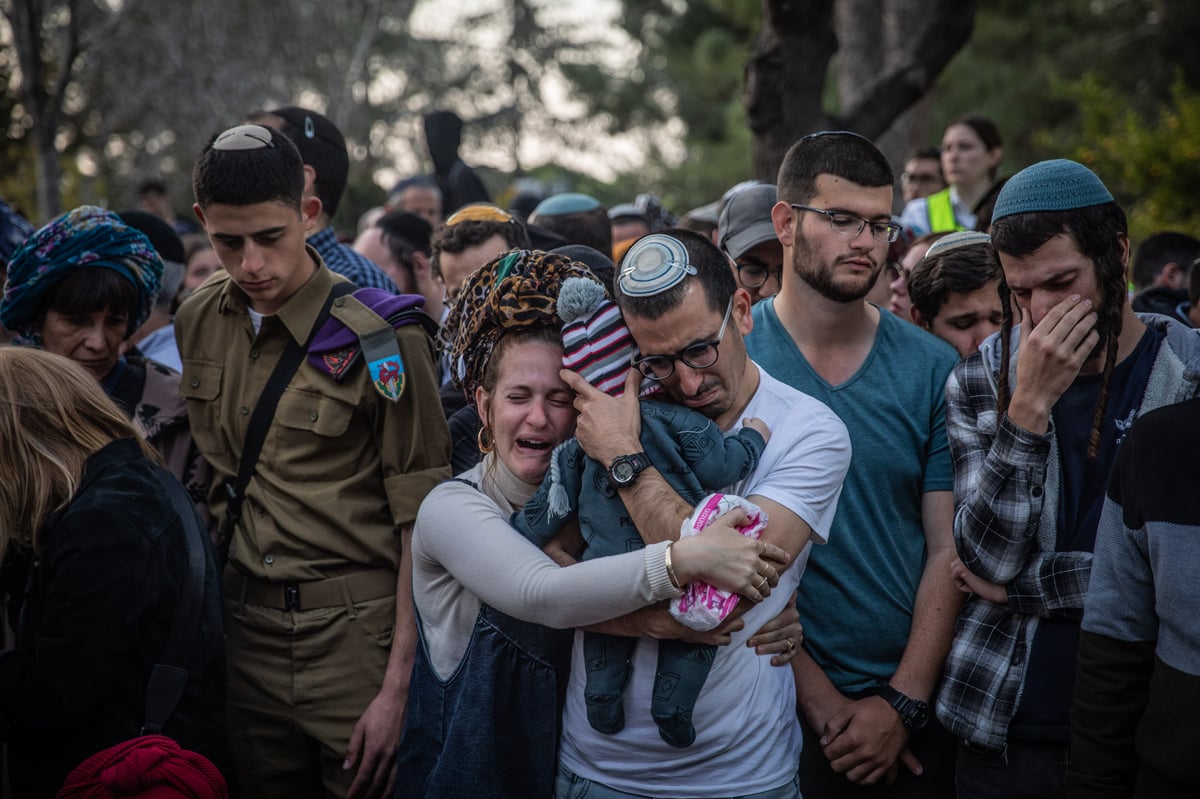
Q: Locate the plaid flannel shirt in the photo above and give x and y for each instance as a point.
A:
(1006, 483)
(360, 270)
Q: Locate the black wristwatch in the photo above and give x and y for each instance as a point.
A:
(913, 712)
(626, 468)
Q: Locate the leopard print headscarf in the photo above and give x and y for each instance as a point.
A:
(516, 291)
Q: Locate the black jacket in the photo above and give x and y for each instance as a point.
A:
(98, 603)
(459, 184)
(1162, 300)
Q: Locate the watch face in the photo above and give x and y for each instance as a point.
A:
(622, 471)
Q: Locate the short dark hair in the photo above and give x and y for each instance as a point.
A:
(458, 237)
(926, 152)
(712, 273)
(1094, 230)
(1097, 231)
(273, 173)
(408, 227)
(86, 291)
(591, 228)
(1159, 250)
(958, 271)
(840, 153)
(417, 182)
(1194, 284)
(404, 234)
(152, 186)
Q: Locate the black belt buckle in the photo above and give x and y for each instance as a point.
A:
(291, 596)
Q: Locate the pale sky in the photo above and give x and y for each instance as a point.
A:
(603, 155)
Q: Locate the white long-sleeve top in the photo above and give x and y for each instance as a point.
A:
(464, 553)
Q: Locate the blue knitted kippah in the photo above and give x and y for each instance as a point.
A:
(568, 203)
(1057, 185)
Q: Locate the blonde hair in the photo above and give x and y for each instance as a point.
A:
(53, 416)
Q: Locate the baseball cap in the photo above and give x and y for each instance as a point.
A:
(745, 221)
(627, 211)
(322, 147)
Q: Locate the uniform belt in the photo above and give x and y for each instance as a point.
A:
(349, 589)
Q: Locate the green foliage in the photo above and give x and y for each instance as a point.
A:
(690, 67)
(712, 165)
(1148, 160)
(1110, 83)
(1026, 57)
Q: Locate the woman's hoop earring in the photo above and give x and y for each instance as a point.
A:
(485, 440)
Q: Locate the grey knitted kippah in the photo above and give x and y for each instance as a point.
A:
(1057, 185)
(961, 238)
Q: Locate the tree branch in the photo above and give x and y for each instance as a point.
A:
(947, 27)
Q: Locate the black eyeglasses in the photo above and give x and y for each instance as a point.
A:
(850, 225)
(697, 356)
(753, 274)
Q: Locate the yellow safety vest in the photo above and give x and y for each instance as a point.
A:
(941, 213)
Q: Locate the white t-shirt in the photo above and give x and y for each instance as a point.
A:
(747, 736)
(160, 346)
(256, 319)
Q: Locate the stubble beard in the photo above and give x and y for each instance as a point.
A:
(820, 276)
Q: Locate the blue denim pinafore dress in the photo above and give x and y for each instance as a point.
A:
(489, 731)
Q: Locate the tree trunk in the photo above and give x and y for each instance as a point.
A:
(26, 23)
(49, 173)
(901, 21)
(785, 76)
(863, 47)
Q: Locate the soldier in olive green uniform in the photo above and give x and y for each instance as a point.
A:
(317, 586)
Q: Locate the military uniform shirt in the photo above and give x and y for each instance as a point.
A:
(341, 468)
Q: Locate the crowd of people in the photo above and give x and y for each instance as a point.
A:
(803, 492)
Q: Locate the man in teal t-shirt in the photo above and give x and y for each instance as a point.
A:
(878, 602)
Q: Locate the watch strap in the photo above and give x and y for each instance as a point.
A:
(913, 712)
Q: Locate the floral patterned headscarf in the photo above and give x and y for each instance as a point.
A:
(86, 237)
(516, 291)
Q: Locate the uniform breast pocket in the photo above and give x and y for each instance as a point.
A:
(309, 437)
(201, 390)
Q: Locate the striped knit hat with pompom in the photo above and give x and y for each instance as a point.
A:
(596, 343)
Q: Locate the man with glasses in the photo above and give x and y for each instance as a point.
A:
(867, 674)
(688, 318)
(922, 174)
(695, 456)
(746, 234)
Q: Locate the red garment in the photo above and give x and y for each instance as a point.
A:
(150, 767)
